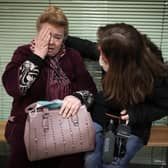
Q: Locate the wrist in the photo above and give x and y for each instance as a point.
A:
(39, 54)
(36, 59)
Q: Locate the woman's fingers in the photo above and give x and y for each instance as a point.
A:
(70, 106)
(73, 110)
(124, 115)
(43, 33)
(42, 41)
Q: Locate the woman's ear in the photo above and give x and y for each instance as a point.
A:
(105, 59)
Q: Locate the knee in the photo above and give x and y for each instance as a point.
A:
(92, 157)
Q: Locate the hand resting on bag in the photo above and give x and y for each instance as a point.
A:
(70, 106)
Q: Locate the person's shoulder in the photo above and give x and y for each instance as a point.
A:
(71, 50)
(23, 48)
(73, 53)
(21, 53)
(161, 80)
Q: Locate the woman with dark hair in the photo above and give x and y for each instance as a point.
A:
(153, 48)
(135, 88)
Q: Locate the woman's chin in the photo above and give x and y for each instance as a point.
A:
(51, 54)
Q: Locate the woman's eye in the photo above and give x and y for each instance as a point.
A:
(58, 38)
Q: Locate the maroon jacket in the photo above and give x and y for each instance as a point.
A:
(72, 65)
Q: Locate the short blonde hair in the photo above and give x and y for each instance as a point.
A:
(55, 16)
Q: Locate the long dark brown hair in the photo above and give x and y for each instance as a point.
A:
(132, 66)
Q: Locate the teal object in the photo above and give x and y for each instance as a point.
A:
(54, 104)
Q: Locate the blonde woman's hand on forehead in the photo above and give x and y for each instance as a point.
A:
(41, 41)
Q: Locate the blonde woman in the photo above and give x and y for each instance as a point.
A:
(44, 70)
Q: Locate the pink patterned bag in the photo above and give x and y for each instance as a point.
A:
(47, 134)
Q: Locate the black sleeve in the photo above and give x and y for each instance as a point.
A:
(86, 48)
(154, 108)
(85, 96)
(99, 109)
(145, 113)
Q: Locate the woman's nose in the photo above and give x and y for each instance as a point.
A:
(51, 40)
